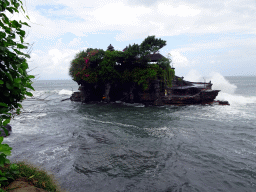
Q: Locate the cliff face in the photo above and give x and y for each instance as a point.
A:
(181, 92)
(128, 92)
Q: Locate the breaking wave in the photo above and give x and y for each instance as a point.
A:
(219, 82)
(65, 92)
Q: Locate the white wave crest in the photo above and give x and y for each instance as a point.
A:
(235, 99)
(228, 89)
(65, 92)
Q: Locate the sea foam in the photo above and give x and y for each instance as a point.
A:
(219, 82)
(65, 92)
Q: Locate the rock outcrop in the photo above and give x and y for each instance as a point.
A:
(22, 186)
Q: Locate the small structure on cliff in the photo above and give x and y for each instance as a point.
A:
(110, 48)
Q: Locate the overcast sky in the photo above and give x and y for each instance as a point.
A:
(202, 36)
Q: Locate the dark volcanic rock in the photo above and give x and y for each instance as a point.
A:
(9, 129)
(76, 96)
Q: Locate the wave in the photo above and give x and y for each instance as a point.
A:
(236, 99)
(90, 118)
(219, 82)
(65, 92)
(51, 92)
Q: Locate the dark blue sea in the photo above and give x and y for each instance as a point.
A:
(119, 147)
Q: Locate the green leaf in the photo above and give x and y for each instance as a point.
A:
(3, 179)
(1, 24)
(14, 166)
(6, 121)
(5, 19)
(9, 76)
(13, 8)
(1, 82)
(2, 34)
(24, 23)
(15, 24)
(20, 46)
(1, 139)
(20, 71)
(21, 39)
(2, 160)
(7, 161)
(16, 85)
(27, 55)
(16, 5)
(31, 76)
(18, 52)
(27, 17)
(28, 85)
(9, 86)
(22, 9)
(21, 32)
(24, 66)
(17, 80)
(3, 104)
(29, 94)
(5, 149)
(4, 110)
(4, 5)
(7, 2)
(9, 9)
(7, 30)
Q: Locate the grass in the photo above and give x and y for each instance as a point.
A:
(33, 175)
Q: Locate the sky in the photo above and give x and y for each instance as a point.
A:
(203, 37)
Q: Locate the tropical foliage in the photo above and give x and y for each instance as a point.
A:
(130, 65)
(14, 79)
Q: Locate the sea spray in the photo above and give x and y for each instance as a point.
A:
(219, 82)
(65, 92)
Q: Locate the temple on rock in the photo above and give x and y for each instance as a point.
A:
(138, 74)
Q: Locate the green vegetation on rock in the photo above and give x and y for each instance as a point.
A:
(132, 65)
(30, 174)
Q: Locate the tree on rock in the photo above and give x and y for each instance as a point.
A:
(119, 72)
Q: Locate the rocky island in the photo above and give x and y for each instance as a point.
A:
(138, 74)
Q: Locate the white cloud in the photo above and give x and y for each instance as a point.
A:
(119, 14)
(167, 18)
(178, 59)
(180, 11)
(52, 65)
(161, 18)
(75, 42)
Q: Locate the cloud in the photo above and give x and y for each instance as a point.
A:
(136, 19)
(180, 11)
(178, 59)
(163, 18)
(52, 65)
(75, 42)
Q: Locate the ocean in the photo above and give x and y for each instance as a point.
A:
(121, 147)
